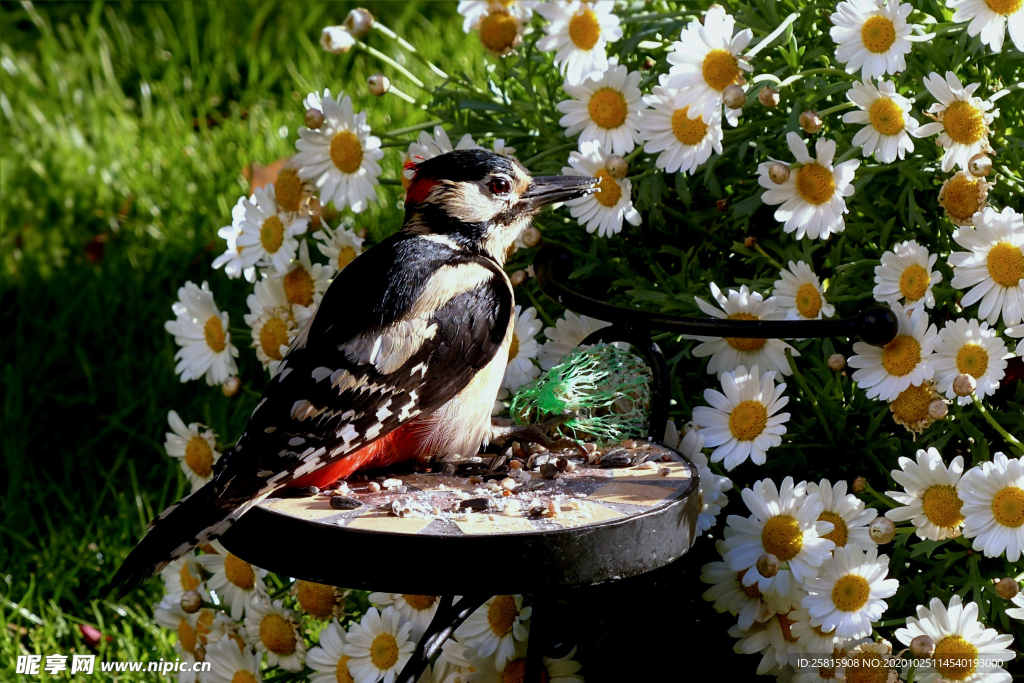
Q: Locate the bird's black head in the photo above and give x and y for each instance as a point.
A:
(481, 200)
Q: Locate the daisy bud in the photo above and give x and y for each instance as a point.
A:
(964, 385)
(358, 22)
(922, 647)
(769, 97)
(378, 84)
(778, 172)
(517, 278)
(810, 121)
(231, 387)
(1007, 588)
(767, 565)
(191, 601)
(648, 64)
(859, 484)
(980, 165)
(722, 205)
(882, 530)
(938, 410)
(336, 39)
(734, 97)
(531, 236)
(313, 118)
(836, 362)
(750, 241)
(616, 166)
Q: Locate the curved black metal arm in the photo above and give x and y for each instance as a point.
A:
(875, 325)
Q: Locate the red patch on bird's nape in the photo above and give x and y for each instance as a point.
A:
(420, 186)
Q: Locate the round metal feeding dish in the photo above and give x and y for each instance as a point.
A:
(610, 523)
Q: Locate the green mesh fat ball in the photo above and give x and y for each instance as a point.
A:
(609, 390)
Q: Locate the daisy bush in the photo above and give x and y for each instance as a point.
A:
(757, 161)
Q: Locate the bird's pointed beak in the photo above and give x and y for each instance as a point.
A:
(550, 189)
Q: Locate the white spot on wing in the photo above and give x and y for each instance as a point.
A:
(283, 373)
(296, 441)
(270, 430)
(348, 433)
(373, 431)
(258, 406)
(320, 373)
(383, 413)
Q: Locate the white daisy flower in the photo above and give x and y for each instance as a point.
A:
(272, 322)
(452, 665)
(744, 421)
(785, 524)
(907, 274)
(729, 353)
(305, 283)
(967, 347)
(202, 331)
(266, 237)
(885, 372)
(757, 641)
(428, 146)
(872, 36)
(1018, 333)
(272, 629)
(500, 147)
(606, 109)
(812, 639)
(228, 664)
(993, 496)
(713, 488)
(682, 143)
(961, 120)
(494, 628)
(524, 348)
(847, 513)
(569, 332)
(705, 61)
(318, 600)
(800, 295)
(561, 670)
(475, 10)
(605, 209)
(813, 198)
(959, 638)
(341, 156)
(501, 31)
(962, 196)
(341, 246)
(168, 613)
(328, 658)
(578, 33)
(931, 500)
(214, 626)
(888, 123)
(729, 595)
(990, 19)
(378, 646)
(1018, 611)
(196, 450)
(417, 610)
(235, 581)
(992, 266)
(231, 259)
(183, 574)
(291, 192)
(848, 592)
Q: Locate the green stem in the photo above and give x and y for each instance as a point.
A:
(832, 110)
(402, 42)
(634, 154)
(401, 95)
(752, 52)
(808, 394)
(411, 129)
(395, 65)
(389, 181)
(655, 16)
(885, 500)
(1009, 438)
(762, 252)
(890, 622)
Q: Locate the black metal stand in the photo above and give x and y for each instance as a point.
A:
(447, 618)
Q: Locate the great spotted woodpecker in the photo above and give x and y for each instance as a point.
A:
(403, 358)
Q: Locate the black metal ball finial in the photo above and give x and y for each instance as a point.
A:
(879, 325)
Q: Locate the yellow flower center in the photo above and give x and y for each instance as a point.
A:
(299, 286)
(815, 184)
(914, 283)
(850, 593)
(274, 335)
(911, 406)
(189, 582)
(786, 624)
(277, 634)
(955, 658)
(515, 670)
(748, 420)
(901, 355)
(886, 116)
(942, 506)
(203, 624)
(199, 458)
(972, 359)
(608, 108)
(868, 668)
(584, 29)
(242, 676)
(498, 32)
(839, 532)
(878, 34)
(341, 672)
(239, 572)
(513, 348)
(346, 151)
(1005, 7)
(420, 602)
(808, 301)
(1006, 264)
(688, 131)
(740, 343)
(1008, 507)
(384, 651)
(751, 591)
(187, 637)
(213, 330)
(610, 193)
(720, 69)
(782, 537)
(961, 198)
(272, 234)
(288, 189)
(501, 615)
(963, 122)
(316, 599)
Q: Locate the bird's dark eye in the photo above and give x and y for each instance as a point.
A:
(500, 186)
